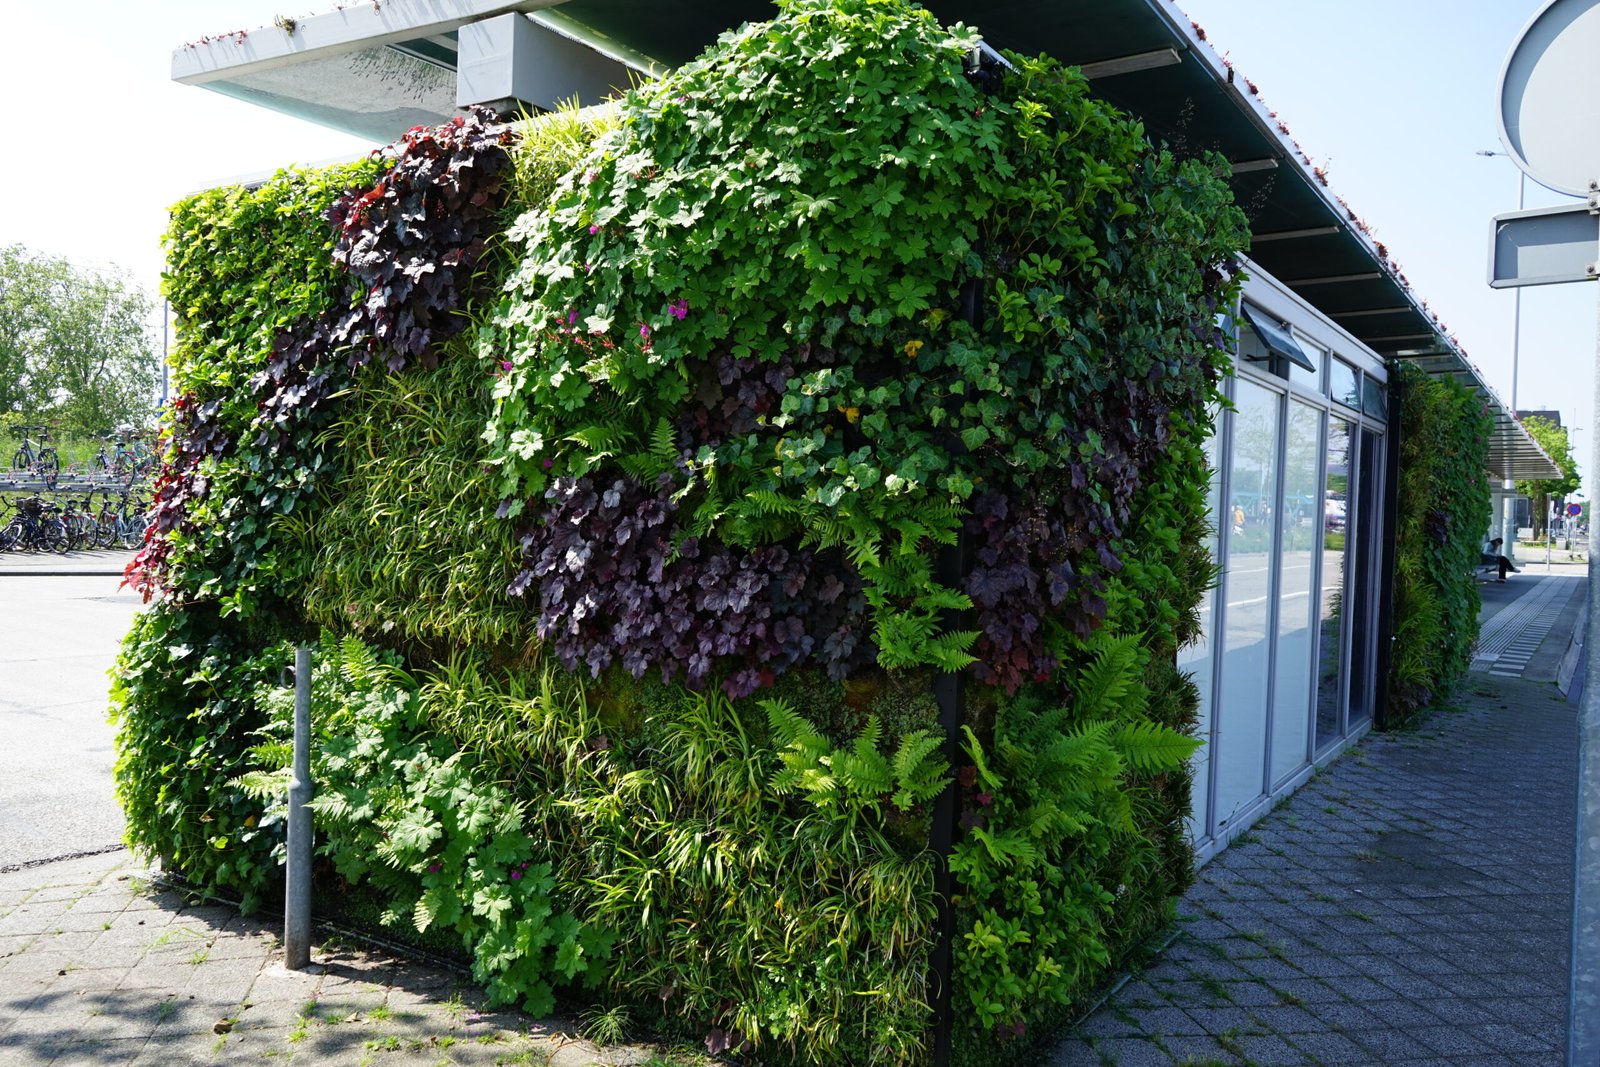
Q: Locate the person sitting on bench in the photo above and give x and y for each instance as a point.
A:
(1492, 557)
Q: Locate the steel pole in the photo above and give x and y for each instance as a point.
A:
(1583, 1035)
(297, 883)
(1508, 530)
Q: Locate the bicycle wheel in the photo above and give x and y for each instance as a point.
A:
(11, 535)
(56, 537)
(105, 531)
(19, 462)
(75, 532)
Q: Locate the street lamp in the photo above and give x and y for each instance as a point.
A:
(1508, 518)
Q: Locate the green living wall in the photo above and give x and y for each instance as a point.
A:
(608, 462)
(1444, 442)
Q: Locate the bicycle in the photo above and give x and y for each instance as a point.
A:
(41, 460)
(35, 528)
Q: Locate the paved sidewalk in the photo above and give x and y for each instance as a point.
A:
(99, 967)
(1410, 905)
(109, 562)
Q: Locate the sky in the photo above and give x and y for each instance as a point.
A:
(1393, 97)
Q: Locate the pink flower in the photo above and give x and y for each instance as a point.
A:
(515, 875)
(572, 317)
(505, 364)
(593, 229)
(548, 464)
(679, 309)
(433, 868)
(644, 330)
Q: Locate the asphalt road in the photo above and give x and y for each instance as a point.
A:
(58, 639)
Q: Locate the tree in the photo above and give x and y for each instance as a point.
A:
(75, 345)
(1553, 439)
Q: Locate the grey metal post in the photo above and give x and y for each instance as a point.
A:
(1583, 1011)
(297, 887)
(1509, 486)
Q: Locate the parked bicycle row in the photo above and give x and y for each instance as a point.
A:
(68, 522)
(123, 453)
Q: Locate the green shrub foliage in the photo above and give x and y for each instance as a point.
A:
(1444, 435)
(181, 699)
(399, 808)
(407, 551)
(739, 359)
(609, 461)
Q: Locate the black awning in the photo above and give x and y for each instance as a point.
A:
(1278, 339)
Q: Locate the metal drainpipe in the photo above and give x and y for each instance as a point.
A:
(1389, 544)
(949, 694)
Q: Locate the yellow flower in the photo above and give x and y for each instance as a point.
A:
(851, 415)
(912, 348)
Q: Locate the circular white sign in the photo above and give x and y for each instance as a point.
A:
(1550, 97)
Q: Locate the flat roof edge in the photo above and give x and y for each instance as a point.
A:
(352, 28)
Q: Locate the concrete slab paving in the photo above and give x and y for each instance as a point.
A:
(1410, 905)
(101, 965)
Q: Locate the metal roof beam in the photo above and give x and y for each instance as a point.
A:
(1290, 235)
(1334, 279)
(1110, 68)
(1248, 166)
(1365, 312)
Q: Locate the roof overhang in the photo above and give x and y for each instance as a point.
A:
(375, 69)
(1513, 453)
(378, 68)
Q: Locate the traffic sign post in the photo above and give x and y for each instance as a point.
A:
(1551, 130)
(1545, 246)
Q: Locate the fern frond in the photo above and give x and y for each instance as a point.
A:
(1108, 687)
(1151, 748)
(771, 503)
(664, 444)
(920, 769)
(974, 751)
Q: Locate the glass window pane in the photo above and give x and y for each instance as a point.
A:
(1374, 398)
(1252, 348)
(1316, 354)
(1301, 540)
(1346, 384)
(1331, 598)
(1369, 507)
(1195, 660)
(1239, 761)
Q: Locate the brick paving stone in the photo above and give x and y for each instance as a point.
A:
(1132, 1052)
(1287, 1019)
(1249, 994)
(1271, 1049)
(1450, 1040)
(1330, 1047)
(1189, 1050)
(1391, 1045)
(1222, 1020)
(1168, 1022)
(1506, 1037)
